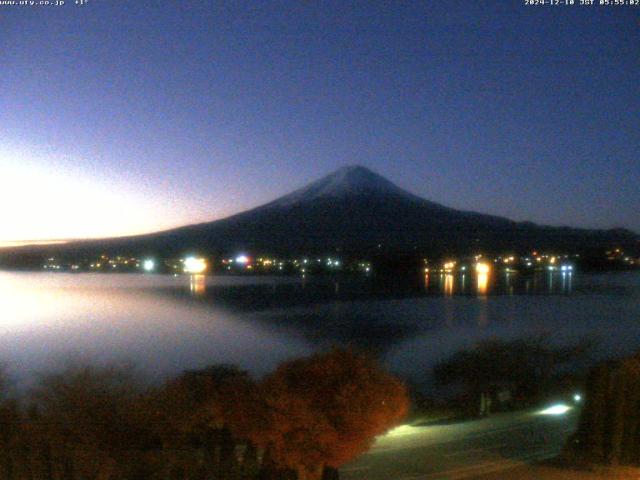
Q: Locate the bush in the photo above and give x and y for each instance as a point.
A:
(307, 417)
(524, 368)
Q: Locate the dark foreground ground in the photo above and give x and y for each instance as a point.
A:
(548, 472)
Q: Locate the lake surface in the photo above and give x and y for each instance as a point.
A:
(165, 324)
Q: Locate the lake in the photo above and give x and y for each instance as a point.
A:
(164, 324)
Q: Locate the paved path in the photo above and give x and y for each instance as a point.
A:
(464, 449)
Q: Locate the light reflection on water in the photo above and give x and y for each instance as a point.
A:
(483, 283)
(47, 319)
(197, 284)
(448, 284)
(503, 283)
(167, 324)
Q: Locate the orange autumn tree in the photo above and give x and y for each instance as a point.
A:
(326, 409)
(197, 409)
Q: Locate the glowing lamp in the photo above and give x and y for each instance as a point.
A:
(242, 259)
(194, 265)
(402, 430)
(558, 409)
(482, 268)
(148, 265)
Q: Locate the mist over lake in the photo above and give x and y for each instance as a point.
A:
(164, 324)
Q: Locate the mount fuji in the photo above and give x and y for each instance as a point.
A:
(356, 211)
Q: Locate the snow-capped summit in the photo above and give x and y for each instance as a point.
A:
(352, 180)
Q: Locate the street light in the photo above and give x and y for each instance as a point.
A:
(148, 265)
(195, 265)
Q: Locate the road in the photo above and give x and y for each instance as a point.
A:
(463, 449)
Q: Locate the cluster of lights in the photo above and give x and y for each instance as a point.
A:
(333, 263)
(297, 264)
(619, 256)
(195, 265)
(366, 266)
(102, 261)
(52, 267)
(448, 266)
(509, 263)
(562, 268)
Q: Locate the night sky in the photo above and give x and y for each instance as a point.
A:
(123, 117)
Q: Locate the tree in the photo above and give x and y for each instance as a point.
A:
(10, 429)
(85, 423)
(526, 366)
(194, 415)
(325, 410)
(609, 430)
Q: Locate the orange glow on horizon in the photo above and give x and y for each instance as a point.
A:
(47, 204)
(24, 243)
